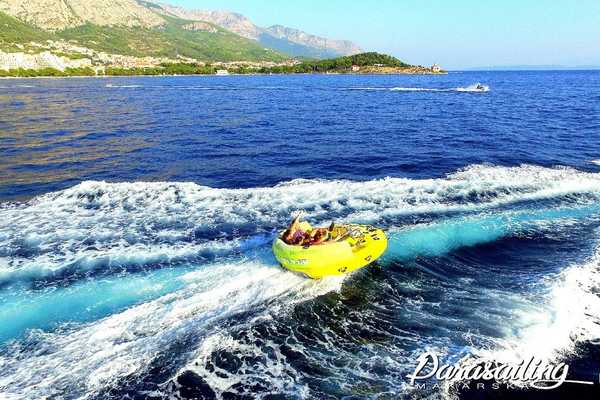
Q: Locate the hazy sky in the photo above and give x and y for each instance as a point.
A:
(454, 33)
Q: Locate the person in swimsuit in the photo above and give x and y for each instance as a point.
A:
(293, 234)
(318, 236)
(296, 235)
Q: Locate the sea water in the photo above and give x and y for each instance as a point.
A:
(137, 215)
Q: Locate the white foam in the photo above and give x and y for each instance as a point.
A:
(366, 88)
(570, 314)
(118, 256)
(548, 329)
(95, 224)
(97, 221)
(110, 85)
(417, 89)
(89, 359)
(476, 87)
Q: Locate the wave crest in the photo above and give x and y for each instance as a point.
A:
(102, 221)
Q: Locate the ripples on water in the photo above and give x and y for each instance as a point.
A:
(153, 289)
(258, 131)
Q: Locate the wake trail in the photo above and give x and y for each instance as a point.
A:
(172, 278)
(204, 295)
(99, 226)
(474, 88)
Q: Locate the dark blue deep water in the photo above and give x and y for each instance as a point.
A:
(136, 217)
(251, 131)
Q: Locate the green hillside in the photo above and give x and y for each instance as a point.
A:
(362, 60)
(14, 31)
(170, 40)
(342, 64)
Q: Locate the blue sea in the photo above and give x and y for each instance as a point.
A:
(137, 216)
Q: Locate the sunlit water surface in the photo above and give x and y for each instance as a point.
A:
(137, 214)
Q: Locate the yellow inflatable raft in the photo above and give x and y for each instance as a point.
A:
(359, 246)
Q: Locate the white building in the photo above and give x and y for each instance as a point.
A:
(46, 59)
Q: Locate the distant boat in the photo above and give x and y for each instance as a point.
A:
(222, 72)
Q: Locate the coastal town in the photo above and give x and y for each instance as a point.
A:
(101, 63)
(62, 56)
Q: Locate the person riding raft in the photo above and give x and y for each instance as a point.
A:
(302, 234)
(336, 250)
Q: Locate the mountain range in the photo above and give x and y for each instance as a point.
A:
(286, 40)
(141, 28)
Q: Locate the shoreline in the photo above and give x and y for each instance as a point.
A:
(220, 76)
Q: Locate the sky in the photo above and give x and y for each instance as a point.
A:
(455, 33)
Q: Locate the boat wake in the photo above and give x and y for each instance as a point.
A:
(110, 85)
(476, 87)
(115, 289)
